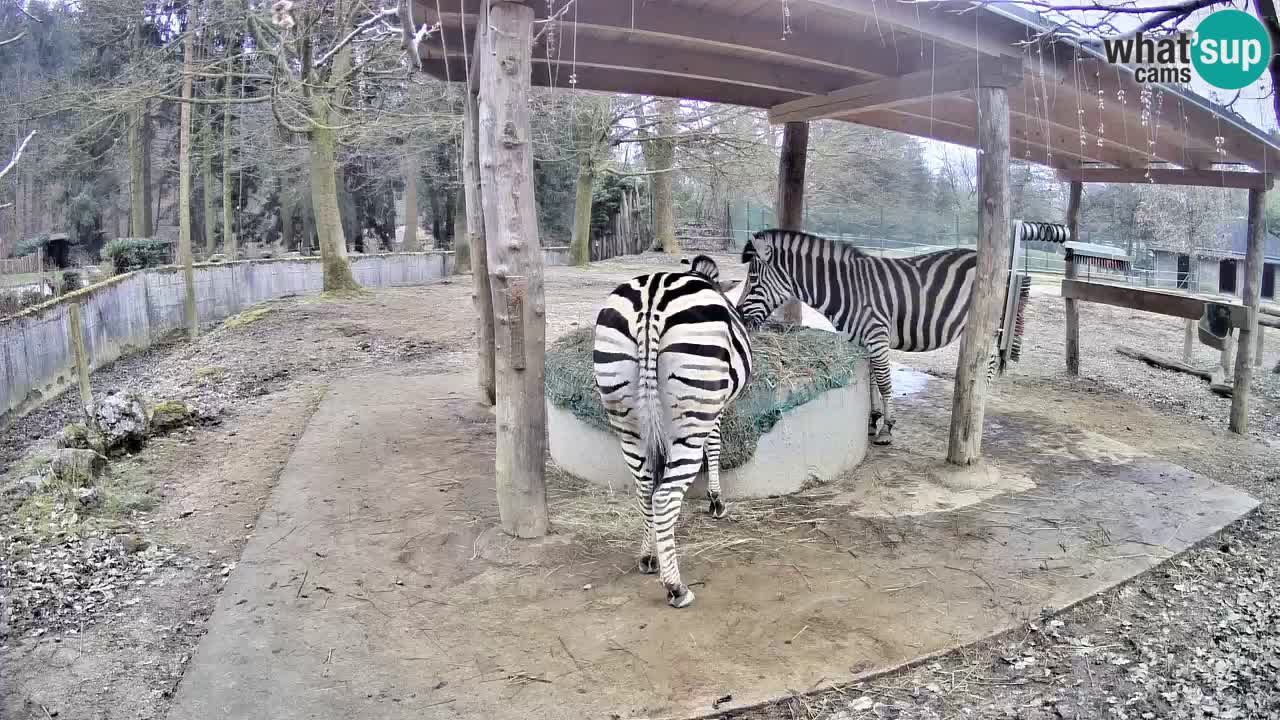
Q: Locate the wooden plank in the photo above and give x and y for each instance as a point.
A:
(1073, 313)
(1146, 300)
(1171, 176)
(968, 404)
(1164, 363)
(515, 269)
(790, 197)
(1252, 297)
(891, 91)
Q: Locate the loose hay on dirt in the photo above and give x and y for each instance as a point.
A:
(600, 517)
(790, 368)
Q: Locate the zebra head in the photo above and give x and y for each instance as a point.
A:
(767, 286)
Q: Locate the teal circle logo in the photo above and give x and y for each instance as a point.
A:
(1231, 49)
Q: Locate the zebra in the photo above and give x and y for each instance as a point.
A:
(914, 304)
(670, 353)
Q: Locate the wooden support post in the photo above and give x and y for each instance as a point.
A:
(1257, 355)
(515, 267)
(184, 183)
(75, 333)
(790, 198)
(1188, 341)
(1073, 311)
(481, 297)
(1251, 298)
(968, 402)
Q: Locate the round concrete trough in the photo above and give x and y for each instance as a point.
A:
(812, 443)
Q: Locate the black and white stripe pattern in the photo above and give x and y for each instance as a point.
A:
(671, 353)
(914, 304)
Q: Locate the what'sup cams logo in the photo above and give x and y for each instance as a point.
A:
(1229, 49)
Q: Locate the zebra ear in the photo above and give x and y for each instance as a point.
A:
(748, 252)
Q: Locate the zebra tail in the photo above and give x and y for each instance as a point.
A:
(651, 413)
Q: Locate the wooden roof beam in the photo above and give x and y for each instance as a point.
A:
(888, 92)
(658, 21)
(1171, 176)
(947, 25)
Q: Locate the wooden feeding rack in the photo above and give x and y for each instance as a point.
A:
(989, 76)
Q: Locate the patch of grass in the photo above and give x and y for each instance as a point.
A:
(209, 373)
(127, 489)
(251, 315)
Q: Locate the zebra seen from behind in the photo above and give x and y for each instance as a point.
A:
(670, 353)
(914, 304)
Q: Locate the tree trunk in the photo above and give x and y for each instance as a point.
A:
(968, 404)
(462, 233)
(139, 176)
(660, 154)
(147, 136)
(478, 254)
(790, 196)
(324, 205)
(450, 211)
(184, 180)
(515, 266)
(410, 243)
(580, 244)
(228, 223)
(287, 204)
(206, 182)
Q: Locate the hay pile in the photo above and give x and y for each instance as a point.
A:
(791, 367)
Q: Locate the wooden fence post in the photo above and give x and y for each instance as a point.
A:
(75, 332)
(482, 298)
(1069, 270)
(790, 207)
(515, 267)
(1252, 298)
(968, 402)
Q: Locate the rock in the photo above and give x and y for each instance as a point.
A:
(132, 543)
(79, 436)
(87, 498)
(168, 415)
(23, 488)
(122, 420)
(79, 468)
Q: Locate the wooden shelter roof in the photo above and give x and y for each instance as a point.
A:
(908, 67)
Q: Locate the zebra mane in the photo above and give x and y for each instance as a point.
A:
(796, 236)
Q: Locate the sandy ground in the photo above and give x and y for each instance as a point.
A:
(1196, 634)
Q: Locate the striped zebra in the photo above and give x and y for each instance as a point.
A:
(914, 304)
(670, 354)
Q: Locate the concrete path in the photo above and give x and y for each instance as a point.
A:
(377, 587)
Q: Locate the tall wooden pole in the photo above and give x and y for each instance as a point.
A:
(477, 258)
(968, 402)
(1073, 311)
(790, 197)
(75, 332)
(1252, 298)
(515, 267)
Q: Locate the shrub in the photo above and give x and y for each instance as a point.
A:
(29, 245)
(127, 254)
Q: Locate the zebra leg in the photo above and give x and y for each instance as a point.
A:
(682, 467)
(875, 409)
(648, 561)
(879, 349)
(716, 507)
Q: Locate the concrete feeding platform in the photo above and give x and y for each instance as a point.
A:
(377, 586)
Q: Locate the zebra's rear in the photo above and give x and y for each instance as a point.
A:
(670, 354)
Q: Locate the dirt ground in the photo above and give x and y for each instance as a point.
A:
(1196, 637)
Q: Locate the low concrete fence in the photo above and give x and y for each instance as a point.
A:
(132, 310)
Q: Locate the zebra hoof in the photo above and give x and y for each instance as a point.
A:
(717, 509)
(883, 439)
(680, 597)
(648, 564)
